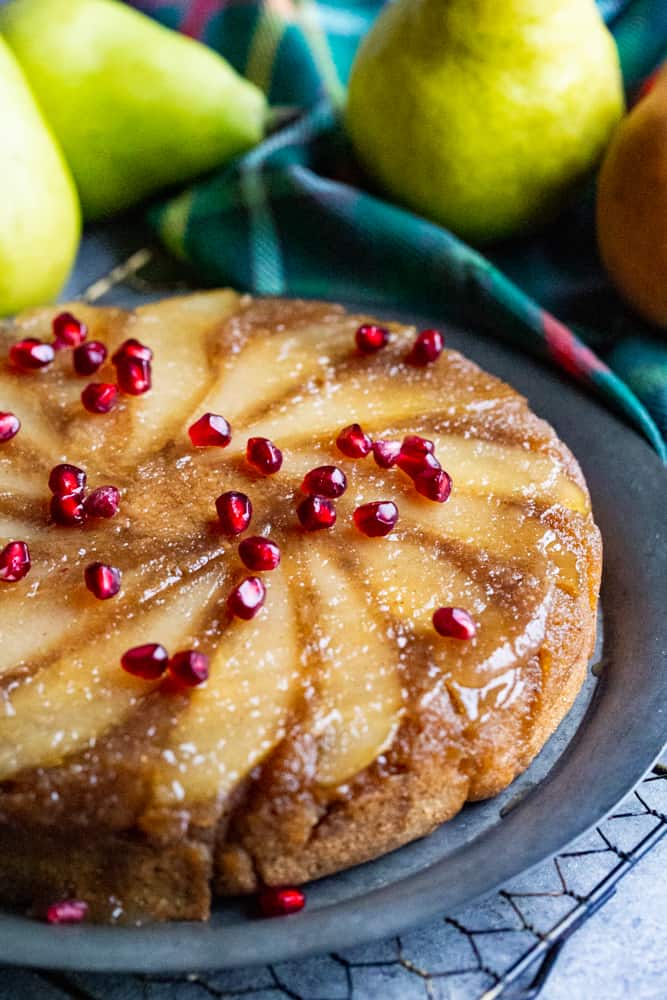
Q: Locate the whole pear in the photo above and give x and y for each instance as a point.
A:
(632, 205)
(135, 106)
(483, 115)
(40, 219)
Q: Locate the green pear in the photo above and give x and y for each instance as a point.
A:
(135, 106)
(40, 219)
(483, 115)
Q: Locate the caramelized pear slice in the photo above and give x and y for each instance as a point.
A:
(12, 526)
(485, 467)
(39, 431)
(358, 699)
(410, 581)
(100, 321)
(368, 395)
(68, 706)
(277, 364)
(238, 716)
(508, 602)
(182, 335)
(504, 530)
(33, 614)
(20, 482)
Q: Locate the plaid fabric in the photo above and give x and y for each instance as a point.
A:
(293, 215)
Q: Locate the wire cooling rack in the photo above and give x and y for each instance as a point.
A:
(503, 948)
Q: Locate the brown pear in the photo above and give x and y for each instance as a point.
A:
(632, 205)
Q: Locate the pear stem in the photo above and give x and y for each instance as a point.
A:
(119, 274)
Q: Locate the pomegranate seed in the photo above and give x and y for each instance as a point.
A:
(103, 581)
(104, 501)
(416, 455)
(259, 553)
(414, 444)
(67, 510)
(67, 481)
(68, 331)
(427, 348)
(325, 481)
(316, 513)
(235, 511)
(190, 667)
(281, 902)
(386, 453)
(133, 367)
(67, 911)
(434, 484)
(89, 357)
(353, 442)
(99, 397)
(209, 431)
(132, 349)
(263, 455)
(376, 519)
(148, 661)
(134, 376)
(31, 354)
(10, 425)
(455, 623)
(371, 338)
(247, 599)
(414, 466)
(14, 562)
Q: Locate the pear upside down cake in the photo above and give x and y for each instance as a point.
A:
(291, 608)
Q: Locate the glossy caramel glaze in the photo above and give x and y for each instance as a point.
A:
(336, 724)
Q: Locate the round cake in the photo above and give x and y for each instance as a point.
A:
(281, 588)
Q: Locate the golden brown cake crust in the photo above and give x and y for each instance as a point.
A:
(90, 824)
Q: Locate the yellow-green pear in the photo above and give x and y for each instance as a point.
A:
(135, 106)
(39, 210)
(632, 205)
(483, 115)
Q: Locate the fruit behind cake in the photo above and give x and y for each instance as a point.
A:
(281, 588)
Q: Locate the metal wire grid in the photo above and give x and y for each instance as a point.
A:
(487, 952)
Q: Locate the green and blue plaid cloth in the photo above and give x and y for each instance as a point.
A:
(295, 216)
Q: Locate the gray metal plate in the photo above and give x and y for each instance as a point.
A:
(614, 733)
